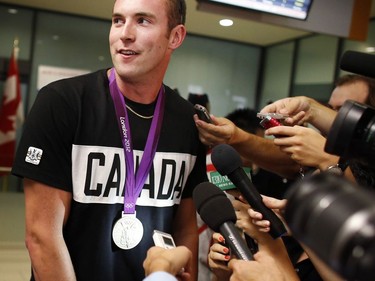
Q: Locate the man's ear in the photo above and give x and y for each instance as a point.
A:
(177, 36)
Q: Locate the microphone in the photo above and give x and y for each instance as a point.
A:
(228, 163)
(217, 212)
(359, 63)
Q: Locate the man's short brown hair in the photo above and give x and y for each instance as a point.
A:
(353, 78)
(177, 13)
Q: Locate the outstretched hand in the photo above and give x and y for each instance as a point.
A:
(277, 205)
(296, 109)
(218, 258)
(221, 131)
(176, 261)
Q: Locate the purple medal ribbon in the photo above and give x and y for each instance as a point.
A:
(135, 180)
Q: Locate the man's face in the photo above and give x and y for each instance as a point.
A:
(357, 91)
(139, 38)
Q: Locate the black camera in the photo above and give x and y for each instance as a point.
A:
(334, 217)
(352, 135)
(336, 220)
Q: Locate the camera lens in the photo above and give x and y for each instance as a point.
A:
(352, 134)
(336, 220)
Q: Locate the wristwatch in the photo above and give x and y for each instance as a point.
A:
(335, 169)
(339, 168)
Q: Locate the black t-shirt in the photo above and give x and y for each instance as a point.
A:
(71, 141)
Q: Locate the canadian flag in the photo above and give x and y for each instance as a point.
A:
(11, 111)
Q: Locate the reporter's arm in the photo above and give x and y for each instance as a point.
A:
(263, 152)
(302, 110)
(263, 267)
(325, 272)
(273, 248)
(321, 117)
(165, 264)
(46, 211)
(306, 147)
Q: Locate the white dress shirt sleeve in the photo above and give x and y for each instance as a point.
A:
(160, 276)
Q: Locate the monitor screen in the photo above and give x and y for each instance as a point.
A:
(297, 9)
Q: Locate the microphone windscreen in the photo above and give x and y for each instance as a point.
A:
(225, 159)
(213, 205)
(359, 63)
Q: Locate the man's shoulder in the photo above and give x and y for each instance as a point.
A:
(82, 85)
(85, 80)
(177, 100)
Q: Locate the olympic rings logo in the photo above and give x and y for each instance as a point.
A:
(129, 205)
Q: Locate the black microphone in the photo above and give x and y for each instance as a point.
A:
(217, 212)
(228, 163)
(359, 63)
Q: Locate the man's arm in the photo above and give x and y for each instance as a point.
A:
(47, 210)
(186, 232)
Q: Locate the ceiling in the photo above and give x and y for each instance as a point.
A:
(245, 31)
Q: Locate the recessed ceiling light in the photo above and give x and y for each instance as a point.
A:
(370, 49)
(12, 11)
(226, 22)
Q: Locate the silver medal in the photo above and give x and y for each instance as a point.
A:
(127, 232)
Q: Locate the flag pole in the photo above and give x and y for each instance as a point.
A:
(16, 48)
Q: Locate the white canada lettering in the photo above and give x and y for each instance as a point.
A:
(102, 178)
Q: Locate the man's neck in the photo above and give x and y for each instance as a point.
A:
(139, 91)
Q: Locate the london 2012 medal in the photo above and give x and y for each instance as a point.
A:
(127, 232)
